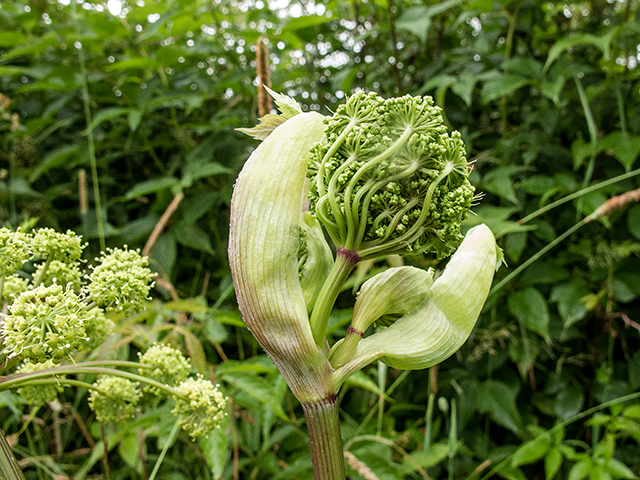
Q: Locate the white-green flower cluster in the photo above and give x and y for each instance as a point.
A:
(14, 285)
(114, 399)
(121, 281)
(65, 247)
(59, 272)
(200, 406)
(38, 394)
(15, 250)
(98, 328)
(170, 366)
(45, 323)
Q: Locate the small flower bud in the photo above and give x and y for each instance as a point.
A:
(171, 367)
(15, 250)
(38, 394)
(115, 399)
(199, 405)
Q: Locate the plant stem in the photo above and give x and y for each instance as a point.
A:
(345, 261)
(324, 438)
(9, 469)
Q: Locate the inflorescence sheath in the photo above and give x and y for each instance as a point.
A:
(389, 178)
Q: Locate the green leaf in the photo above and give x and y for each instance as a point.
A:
(359, 379)
(570, 298)
(502, 85)
(603, 43)
(581, 150)
(165, 252)
(288, 106)
(580, 470)
(191, 306)
(215, 448)
(262, 130)
(140, 62)
(530, 308)
(531, 451)
(194, 237)
(552, 463)
(214, 331)
(497, 399)
(625, 147)
(10, 39)
(195, 350)
(55, 158)
(7, 71)
(129, 450)
(306, 21)
(260, 389)
(135, 117)
(105, 115)
(150, 186)
(619, 469)
(569, 402)
(417, 20)
(633, 221)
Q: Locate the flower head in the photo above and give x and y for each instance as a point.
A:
(61, 273)
(121, 281)
(15, 250)
(98, 328)
(65, 247)
(199, 405)
(389, 178)
(45, 323)
(38, 394)
(13, 286)
(170, 366)
(115, 399)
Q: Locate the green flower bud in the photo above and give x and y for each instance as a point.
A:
(13, 286)
(98, 328)
(38, 394)
(61, 273)
(15, 250)
(45, 323)
(65, 247)
(115, 399)
(200, 406)
(121, 281)
(443, 321)
(171, 367)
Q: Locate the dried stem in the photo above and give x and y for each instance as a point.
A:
(264, 76)
(173, 206)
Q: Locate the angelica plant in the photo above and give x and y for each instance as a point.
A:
(381, 177)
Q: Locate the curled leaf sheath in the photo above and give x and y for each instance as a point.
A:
(266, 210)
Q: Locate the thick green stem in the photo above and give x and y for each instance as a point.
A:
(324, 438)
(9, 469)
(345, 261)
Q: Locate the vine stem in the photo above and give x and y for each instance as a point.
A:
(346, 260)
(325, 439)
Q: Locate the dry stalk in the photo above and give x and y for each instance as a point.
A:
(264, 76)
(82, 191)
(360, 467)
(615, 203)
(173, 206)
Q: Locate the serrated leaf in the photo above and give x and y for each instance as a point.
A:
(267, 124)
(288, 106)
(497, 399)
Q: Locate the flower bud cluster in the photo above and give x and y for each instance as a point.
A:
(170, 366)
(59, 272)
(38, 394)
(200, 406)
(15, 250)
(45, 323)
(98, 328)
(114, 399)
(65, 247)
(389, 178)
(121, 281)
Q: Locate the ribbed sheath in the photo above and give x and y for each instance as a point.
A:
(324, 438)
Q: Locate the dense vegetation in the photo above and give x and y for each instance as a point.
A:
(113, 125)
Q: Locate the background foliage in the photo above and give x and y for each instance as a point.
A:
(141, 107)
